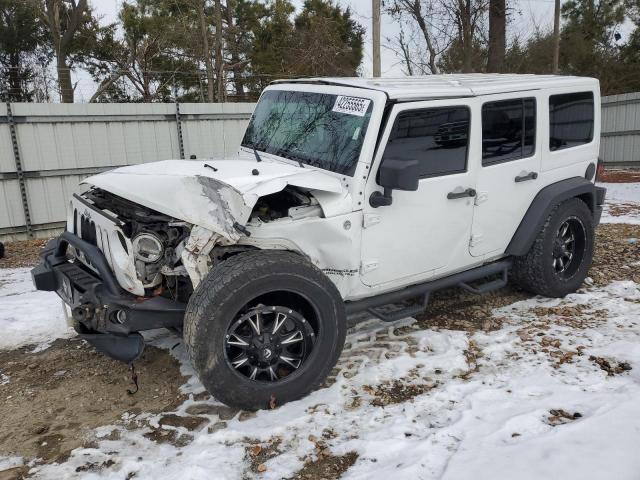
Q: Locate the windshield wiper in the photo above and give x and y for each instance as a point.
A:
(283, 152)
(255, 152)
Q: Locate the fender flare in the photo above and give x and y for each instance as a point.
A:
(543, 203)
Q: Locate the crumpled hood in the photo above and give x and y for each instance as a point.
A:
(214, 199)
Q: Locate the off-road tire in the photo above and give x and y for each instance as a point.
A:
(223, 294)
(535, 272)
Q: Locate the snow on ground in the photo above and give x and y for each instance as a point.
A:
(552, 394)
(530, 400)
(27, 316)
(622, 203)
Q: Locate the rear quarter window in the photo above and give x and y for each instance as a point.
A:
(571, 117)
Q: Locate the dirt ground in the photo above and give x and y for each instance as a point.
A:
(22, 254)
(55, 398)
(620, 176)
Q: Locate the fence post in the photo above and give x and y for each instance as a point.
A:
(178, 122)
(18, 162)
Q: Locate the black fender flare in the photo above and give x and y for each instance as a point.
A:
(543, 203)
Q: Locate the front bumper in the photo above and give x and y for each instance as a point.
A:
(104, 314)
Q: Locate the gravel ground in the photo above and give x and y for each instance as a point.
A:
(620, 176)
(22, 254)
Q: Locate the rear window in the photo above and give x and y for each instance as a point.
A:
(570, 120)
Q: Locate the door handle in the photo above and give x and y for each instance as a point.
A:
(469, 192)
(528, 176)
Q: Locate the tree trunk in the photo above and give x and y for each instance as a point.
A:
(406, 54)
(206, 51)
(16, 92)
(64, 79)
(375, 36)
(467, 36)
(62, 39)
(556, 38)
(417, 13)
(497, 35)
(219, 61)
(238, 81)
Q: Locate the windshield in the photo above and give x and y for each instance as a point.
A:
(318, 129)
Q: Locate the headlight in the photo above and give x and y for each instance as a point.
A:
(147, 247)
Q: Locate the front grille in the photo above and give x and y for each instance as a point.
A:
(102, 229)
(94, 234)
(88, 230)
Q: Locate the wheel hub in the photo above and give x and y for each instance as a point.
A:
(266, 348)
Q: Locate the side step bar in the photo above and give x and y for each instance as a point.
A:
(422, 291)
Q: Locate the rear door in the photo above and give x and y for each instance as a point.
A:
(508, 177)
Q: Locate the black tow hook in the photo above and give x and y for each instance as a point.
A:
(84, 312)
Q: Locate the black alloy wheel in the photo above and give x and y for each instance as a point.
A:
(568, 247)
(268, 343)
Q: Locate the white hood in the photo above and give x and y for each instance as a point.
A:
(190, 191)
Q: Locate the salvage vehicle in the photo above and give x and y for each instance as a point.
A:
(348, 195)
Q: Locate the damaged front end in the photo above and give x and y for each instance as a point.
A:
(137, 243)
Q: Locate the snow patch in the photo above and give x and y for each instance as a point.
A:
(487, 418)
(28, 316)
(7, 463)
(624, 200)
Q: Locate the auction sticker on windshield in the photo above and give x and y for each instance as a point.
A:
(351, 105)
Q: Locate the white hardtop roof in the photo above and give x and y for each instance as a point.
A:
(452, 85)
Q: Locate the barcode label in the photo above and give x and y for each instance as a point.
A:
(351, 105)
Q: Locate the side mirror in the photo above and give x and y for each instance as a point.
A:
(395, 175)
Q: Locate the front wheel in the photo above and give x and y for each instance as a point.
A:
(264, 328)
(560, 257)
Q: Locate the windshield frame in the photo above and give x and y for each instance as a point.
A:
(367, 148)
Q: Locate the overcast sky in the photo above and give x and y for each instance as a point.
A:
(524, 16)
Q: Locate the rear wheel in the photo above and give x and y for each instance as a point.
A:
(560, 257)
(264, 327)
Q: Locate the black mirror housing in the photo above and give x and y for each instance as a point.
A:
(399, 174)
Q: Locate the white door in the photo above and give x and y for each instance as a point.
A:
(508, 178)
(426, 231)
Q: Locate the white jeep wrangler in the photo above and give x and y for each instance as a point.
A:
(348, 195)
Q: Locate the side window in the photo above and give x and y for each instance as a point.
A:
(570, 120)
(508, 130)
(437, 137)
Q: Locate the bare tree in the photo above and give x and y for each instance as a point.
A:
(497, 35)
(406, 53)
(63, 19)
(424, 14)
(467, 17)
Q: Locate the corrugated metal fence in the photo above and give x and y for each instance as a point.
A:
(620, 142)
(46, 149)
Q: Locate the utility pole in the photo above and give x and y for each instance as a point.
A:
(556, 38)
(375, 33)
